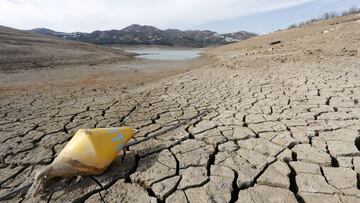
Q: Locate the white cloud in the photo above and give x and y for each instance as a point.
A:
(89, 15)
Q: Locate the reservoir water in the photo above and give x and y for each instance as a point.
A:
(164, 53)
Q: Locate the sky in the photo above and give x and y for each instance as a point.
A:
(259, 16)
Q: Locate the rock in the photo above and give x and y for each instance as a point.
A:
(124, 192)
(309, 154)
(305, 167)
(313, 183)
(166, 187)
(262, 193)
(193, 177)
(276, 175)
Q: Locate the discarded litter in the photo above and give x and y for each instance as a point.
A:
(89, 152)
(275, 42)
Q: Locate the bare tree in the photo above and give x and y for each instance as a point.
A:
(328, 15)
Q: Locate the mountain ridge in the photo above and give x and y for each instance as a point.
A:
(149, 35)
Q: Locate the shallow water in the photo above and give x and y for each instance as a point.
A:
(155, 53)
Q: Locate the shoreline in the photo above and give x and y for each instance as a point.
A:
(126, 74)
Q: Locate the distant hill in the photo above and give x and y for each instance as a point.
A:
(25, 50)
(149, 35)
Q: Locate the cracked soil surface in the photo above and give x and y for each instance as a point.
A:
(283, 126)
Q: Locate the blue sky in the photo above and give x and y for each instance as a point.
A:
(279, 19)
(258, 16)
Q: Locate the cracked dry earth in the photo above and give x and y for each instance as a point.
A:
(285, 133)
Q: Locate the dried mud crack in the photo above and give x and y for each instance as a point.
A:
(278, 130)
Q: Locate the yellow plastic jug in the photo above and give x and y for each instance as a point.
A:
(89, 152)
